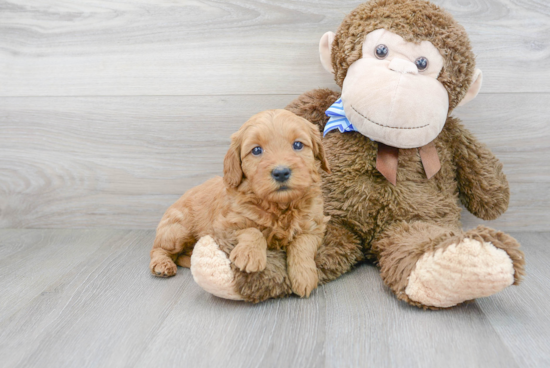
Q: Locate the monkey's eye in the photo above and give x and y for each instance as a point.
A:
(381, 51)
(256, 151)
(298, 146)
(421, 63)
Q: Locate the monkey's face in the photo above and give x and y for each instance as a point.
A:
(392, 94)
(395, 91)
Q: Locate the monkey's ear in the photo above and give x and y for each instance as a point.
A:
(318, 148)
(477, 80)
(232, 171)
(325, 48)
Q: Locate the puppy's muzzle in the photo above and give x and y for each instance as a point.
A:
(281, 173)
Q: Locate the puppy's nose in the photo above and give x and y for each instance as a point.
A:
(281, 173)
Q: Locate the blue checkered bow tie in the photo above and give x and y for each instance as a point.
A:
(338, 119)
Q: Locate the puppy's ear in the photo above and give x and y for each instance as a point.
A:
(318, 148)
(232, 171)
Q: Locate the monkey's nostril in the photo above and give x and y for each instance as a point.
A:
(403, 66)
(281, 173)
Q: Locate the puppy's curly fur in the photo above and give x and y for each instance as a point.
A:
(248, 211)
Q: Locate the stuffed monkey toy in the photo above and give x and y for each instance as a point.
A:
(400, 165)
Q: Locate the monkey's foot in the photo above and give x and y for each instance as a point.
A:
(211, 269)
(463, 271)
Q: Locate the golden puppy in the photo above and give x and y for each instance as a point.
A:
(269, 197)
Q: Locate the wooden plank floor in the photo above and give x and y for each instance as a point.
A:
(84, 298)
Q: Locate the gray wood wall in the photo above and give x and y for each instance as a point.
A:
(110, 110)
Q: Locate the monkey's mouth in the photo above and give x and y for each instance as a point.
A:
(386, 126)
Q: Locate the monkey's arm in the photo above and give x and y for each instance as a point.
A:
(313, 104)
(483, 187)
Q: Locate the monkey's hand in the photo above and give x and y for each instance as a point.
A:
(483, 187)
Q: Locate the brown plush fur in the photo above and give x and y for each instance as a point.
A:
(373, 219)
(395, 225)
(248, 212)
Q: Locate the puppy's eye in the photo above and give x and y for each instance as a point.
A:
(256, 151)
(421, 63)
(381, 51)
(297, 146)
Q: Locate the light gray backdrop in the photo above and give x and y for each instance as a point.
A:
(109, 112)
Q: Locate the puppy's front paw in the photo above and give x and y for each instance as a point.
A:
(248, 258)
(163, 267)
(303, 280)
